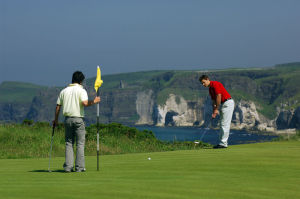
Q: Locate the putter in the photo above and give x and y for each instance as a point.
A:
(206, 129)
(53, 127)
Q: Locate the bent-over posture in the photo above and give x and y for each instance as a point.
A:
(221, 99)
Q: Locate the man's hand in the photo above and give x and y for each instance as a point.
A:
(216, 105)
(54, 123)
(215, 113)
(97, 100)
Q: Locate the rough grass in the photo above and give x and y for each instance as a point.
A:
(24, 141)
(252, 171)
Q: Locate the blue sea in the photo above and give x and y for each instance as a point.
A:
(205, 134)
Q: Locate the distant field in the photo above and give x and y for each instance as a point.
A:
(252, 171)
(18, 92)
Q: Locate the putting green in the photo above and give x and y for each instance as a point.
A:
(265, 170)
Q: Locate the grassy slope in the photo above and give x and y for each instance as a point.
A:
(131, 80)
(19, 141)
(265, 170)
(18, 91)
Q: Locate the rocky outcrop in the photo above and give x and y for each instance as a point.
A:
(178, 112)
(13, 112)
(295, 122)
(246, 116)
(288, 119)
(116, 106)
(40, 108)
(284, 119)
(145, 107)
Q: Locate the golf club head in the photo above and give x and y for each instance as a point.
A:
(209, 124)
(206, 129)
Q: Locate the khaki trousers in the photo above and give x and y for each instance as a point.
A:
(74, 131)
(226, 116)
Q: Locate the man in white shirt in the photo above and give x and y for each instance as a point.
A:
(73, 99)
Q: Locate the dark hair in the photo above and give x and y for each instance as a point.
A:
(77, 77)
(203, 77)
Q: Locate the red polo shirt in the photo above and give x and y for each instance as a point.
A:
(216, 88)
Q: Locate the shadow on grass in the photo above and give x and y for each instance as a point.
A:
(46, 171)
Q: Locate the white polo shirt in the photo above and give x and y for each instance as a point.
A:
(71, 99)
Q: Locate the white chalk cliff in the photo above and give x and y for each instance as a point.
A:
(144, 107)
(177, 111)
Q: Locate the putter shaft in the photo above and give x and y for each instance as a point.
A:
(51, 148)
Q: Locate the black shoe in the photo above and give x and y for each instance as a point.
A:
(219, 147)
(68, 171)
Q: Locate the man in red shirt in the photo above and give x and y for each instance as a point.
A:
(220, 99)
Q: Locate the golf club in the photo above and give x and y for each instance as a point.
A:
(53, 127)
(206, 129)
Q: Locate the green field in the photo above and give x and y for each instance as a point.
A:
(264, 170)
(19, 92)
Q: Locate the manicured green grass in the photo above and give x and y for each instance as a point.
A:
(265, 170)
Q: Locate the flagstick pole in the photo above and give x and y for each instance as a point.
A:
(98, 148)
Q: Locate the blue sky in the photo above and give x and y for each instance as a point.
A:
(44, 42)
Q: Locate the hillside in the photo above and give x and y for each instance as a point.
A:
(269, 97)
(20, 92)
(16, 99)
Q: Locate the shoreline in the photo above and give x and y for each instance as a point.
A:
(270, 131)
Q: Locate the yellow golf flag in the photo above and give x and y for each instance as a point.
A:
(98, 81)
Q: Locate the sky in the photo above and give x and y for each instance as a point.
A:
(44, 42)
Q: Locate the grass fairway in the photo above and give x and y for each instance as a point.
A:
(265, 170)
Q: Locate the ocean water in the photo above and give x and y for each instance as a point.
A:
(205, 134)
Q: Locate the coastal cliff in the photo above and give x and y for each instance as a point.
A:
(266, 99)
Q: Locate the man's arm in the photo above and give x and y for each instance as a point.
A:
(216, 105)
(91, 102)
(57, 110)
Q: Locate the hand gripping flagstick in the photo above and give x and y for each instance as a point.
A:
(98, 84)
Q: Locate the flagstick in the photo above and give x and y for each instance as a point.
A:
(98, 132)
